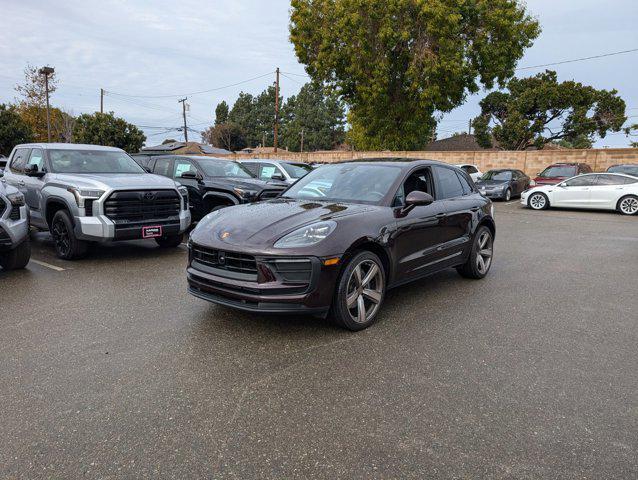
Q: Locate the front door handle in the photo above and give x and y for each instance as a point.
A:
(474, 209)
(21, 183)
(441, 215)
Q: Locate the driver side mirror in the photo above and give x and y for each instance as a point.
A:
(189, 175)
(33, 171)
(418, 198)
(278, 176)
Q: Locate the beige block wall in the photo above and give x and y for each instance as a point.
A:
(531, 162)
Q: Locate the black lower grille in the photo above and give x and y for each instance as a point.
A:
(292, 271)
(269, 194)
(15, 213)
(125, 207)
(3, 207)
(88, 207)
(230, 261)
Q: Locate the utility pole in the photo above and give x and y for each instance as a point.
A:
(276, 110)
(101, 100)
(302, 140)
(183, 102)
(46, 71)
(469, 128)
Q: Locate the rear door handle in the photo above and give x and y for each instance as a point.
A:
(474, 209)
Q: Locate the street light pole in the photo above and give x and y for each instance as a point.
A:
(46, 71)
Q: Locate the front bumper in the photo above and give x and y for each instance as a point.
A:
(495, 194)
(267, 291)
(100, 228)
(13, 232)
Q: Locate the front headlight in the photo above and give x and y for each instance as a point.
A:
(183, 191)
(16, 199)
(306, 236)
(245, 193)
(81, 195)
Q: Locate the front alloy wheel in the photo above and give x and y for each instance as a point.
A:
(538, 201)
(628, 205)
(360, 292)
(479, 262)
(508, 195)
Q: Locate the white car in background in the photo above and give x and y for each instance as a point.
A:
(471, 170)
(601, 191)
(266, 169)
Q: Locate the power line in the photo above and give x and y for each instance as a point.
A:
(579, 59)
(192, 93)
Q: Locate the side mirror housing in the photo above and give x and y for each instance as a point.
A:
(278, 176)
(33, 171)
(418, 198)
(189, 175)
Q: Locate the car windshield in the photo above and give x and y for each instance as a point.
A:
(224, 168)
(497, 176)
(347, 183)
(628, 169)
(566, 171)
(296, 170)
(92, 161)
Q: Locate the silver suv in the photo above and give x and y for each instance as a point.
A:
(90, 193)
(15, 249)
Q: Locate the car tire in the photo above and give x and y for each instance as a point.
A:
(628, 205)
(170, 241)
(17, 258)
(352, 308)
(67, 246)
(508, 195)
(480, 260)
(538, 201)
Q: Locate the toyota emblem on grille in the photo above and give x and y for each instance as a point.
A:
(221, 258)
(149, 196)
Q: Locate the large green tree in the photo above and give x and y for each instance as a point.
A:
(397, 63)
(225, 135)
(318, 114)
(107, 129)
(221, 113)
(537, 110)
(255, 116)
(13, 129)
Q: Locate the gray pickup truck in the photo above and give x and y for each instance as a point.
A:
(90, 193)
(15, 249)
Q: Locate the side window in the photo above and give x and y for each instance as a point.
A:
(252, 167)
(603, 180)
(162, 167)
(420, 180)
(470, 169)
(267, 171)
(182, 166)
(448, 183)
(586, 181)
(36, 158)
(467, 189)
(584, 168)
(19, 160)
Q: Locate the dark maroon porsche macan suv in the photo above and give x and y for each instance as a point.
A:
(340, 237)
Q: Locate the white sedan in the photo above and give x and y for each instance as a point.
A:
(471, 170)
(603, 191)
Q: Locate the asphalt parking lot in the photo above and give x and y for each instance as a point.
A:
(110, 369)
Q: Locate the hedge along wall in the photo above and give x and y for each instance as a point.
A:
(531, 162)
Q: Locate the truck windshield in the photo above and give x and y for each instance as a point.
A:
(223, 168)
(92, 161)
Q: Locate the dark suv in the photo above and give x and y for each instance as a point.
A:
(212, 183)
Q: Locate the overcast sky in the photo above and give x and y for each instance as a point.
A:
(172, 48)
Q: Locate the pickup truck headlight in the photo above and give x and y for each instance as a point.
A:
(245, 193)
(81, 195)
(307, 236)
(183, 191)
(16, 199)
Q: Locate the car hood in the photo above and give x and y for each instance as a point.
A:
(491, 183)
(245, 183)
(117, 181)
(261, 224)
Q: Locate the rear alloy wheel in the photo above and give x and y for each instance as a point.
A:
(67, 246)
(480, 260)
(508, 195)
(628, 205)
(360, 292)
(538, 201)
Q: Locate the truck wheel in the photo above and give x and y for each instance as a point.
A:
(170, 241)
(67, 246)
(16, 258)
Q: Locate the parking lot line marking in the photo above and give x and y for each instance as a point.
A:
(48, 265)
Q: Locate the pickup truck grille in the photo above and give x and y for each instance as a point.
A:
(230, 261)
(127, 207)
